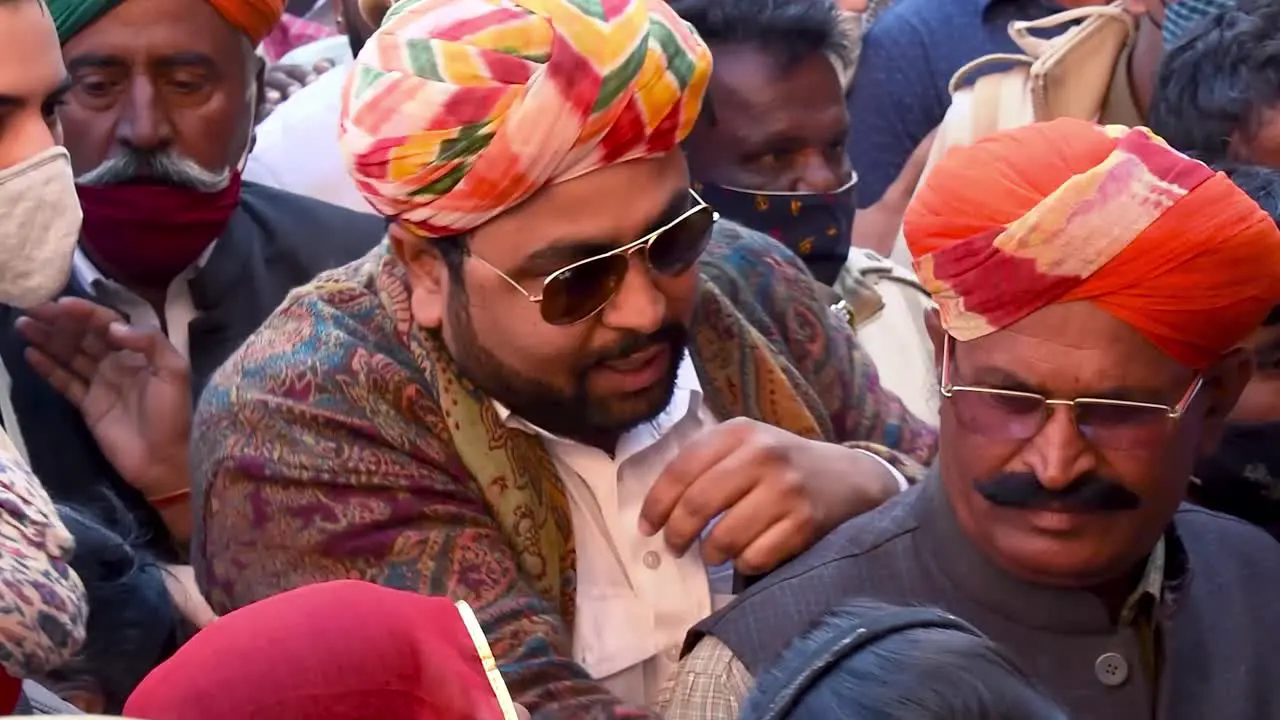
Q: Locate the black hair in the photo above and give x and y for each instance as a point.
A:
(133, 623)
(1263, 185)
(915, 673)
(1219, 80)
(790, 30)
(453, 250)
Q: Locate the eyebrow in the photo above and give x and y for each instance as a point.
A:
(1001, 379)
(10, 102)
(175, 60)
(569, 252)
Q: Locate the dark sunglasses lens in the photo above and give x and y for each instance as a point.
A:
(578, 292)
(678, 247)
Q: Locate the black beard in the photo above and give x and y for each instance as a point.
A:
(575, 415)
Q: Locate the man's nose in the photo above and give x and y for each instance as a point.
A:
(1059, 454)
(144, 121)
(817, 175)
(639, 304)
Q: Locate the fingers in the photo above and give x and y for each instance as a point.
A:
(70, 385)
(747, 520)
(781, 542)
(321, 67)
(69, 333)
(151, 344)
(696, 458)
(711, 495)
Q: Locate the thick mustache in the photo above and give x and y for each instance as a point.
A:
(167, 167)
(672, 335)
(1088, 493)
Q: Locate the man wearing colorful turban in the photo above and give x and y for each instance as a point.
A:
(562, 391)
(158, 116)
(1094, 288)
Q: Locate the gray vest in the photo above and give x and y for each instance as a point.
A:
(1219, 630)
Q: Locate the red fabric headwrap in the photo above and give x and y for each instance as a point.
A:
(341, 650)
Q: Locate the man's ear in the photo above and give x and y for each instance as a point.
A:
(933, 325)
(428, 276)
(1223, 384)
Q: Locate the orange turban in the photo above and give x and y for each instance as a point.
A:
(254, 18)
(1068, 210)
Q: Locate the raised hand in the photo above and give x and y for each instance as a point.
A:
(132, 387)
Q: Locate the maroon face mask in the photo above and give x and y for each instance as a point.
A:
(147, 234)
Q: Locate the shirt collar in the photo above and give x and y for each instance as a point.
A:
(687, 387)
(91, 278)
(1152, 585)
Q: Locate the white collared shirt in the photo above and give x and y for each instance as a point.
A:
(635, 599)
(179, 307)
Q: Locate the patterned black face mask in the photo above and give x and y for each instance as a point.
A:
(815, 226)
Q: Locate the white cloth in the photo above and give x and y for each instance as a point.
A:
(896, 337)
(296, 147)
(336, 49)
(179, 307)
(636, 599)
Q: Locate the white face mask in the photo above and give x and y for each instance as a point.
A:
(39, 227)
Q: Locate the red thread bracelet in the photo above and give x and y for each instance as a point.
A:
(167, 499)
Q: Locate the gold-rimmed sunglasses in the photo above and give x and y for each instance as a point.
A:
(1018, 415)
(579, 290)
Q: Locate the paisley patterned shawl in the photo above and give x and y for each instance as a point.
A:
(340, 442)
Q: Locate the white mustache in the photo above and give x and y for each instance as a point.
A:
(167, 167)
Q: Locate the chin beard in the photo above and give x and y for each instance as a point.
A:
(577, 414)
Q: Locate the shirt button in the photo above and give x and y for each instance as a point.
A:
(1112, 669)
(652, 560)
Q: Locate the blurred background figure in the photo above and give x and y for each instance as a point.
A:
(42, 602)
(873, 661)
(296, 148)
(134, 623)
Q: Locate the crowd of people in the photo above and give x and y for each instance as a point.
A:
(621, 359)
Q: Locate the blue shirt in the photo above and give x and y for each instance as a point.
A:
(899, 94)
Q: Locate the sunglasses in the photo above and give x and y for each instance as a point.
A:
(577, 291)
(1017, 415)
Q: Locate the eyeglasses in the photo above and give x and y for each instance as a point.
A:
(576, 292)
(1016, 415)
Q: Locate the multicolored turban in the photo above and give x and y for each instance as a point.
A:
(1067, 210)
(457, 110)
(253, 17)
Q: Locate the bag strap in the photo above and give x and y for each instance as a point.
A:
(1037, 47)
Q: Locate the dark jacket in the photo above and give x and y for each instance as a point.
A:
(274, 242)
(1216, 624)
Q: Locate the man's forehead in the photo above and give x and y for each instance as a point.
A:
(752, 89)
(1069, 348)
(605, 207)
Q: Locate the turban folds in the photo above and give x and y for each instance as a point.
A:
(457, 110)
(254, 18)
(1067, 210)
(342, 650)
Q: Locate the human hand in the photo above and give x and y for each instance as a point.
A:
(282, 80)
(132, 387)
(778, 493)
(180, 581)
